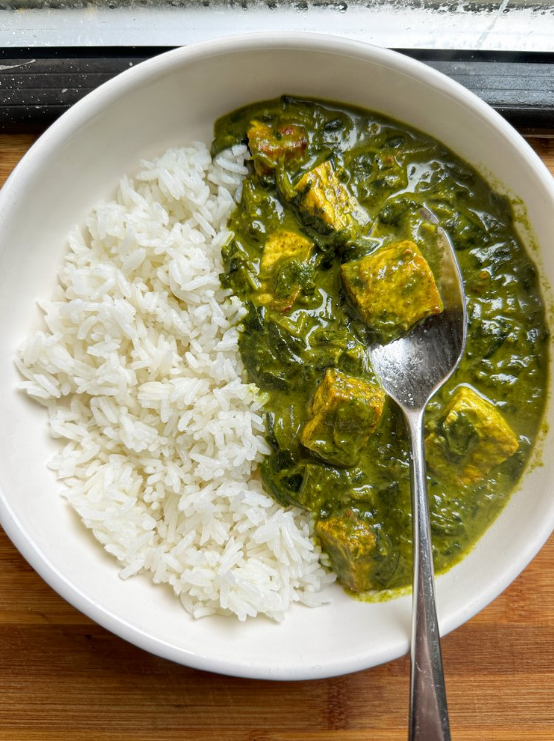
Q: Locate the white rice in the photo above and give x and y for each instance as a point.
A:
(140, 372)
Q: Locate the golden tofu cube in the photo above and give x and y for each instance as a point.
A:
(327, 202)
(269, 146)
(392, 289)
(345, 412)
(470, 440)
(284, 245)
(284, 255)
(350, 543)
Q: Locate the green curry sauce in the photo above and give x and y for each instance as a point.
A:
(300, 323)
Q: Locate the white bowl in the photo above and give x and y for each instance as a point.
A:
(169, 101)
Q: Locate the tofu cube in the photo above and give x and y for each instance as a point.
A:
(269, 146)
(392, 289)
(345, 412)
(284, 245)
(350, 543)
(471, 439)
(284, 254)
(325, 202)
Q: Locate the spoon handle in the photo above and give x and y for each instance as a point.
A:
(428, 708)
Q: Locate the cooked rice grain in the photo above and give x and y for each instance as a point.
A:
(141, 375)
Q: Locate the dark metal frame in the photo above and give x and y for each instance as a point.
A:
(37, 85)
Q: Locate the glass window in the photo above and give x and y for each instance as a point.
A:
(509, 25)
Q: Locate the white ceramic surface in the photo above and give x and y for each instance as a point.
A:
(169, 101)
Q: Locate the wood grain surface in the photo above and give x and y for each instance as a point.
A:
(63, 678)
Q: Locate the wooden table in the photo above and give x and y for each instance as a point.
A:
(63, 678)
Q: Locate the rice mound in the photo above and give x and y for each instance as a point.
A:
(140, 371)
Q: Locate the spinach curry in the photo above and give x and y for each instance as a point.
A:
(331, 249)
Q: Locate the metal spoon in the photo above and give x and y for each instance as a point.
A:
(411, 370)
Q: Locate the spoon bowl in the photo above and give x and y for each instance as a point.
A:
(415, 366)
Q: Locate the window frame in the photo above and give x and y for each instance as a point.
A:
(43, 72)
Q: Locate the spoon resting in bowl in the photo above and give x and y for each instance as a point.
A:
(411, 370)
